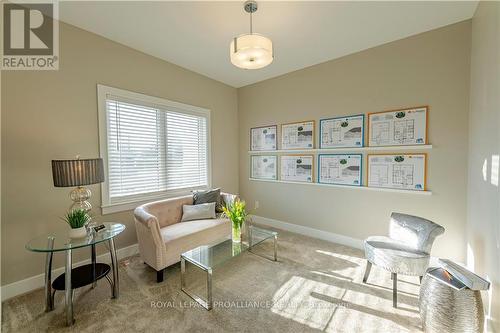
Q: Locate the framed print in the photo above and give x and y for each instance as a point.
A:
(298, 135)
(297, 168)
(398, 127)
(342, 132)
(340, 169)
(398, 171)
(264, 167)
(264, 138)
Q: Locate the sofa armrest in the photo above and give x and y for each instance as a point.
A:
(142, 216)
(151, 245)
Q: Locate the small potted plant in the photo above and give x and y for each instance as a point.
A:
(77, 219)
(237, 214)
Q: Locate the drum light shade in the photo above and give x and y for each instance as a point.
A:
(251, 51)
(69, 173)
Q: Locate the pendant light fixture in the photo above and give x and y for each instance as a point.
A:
(251, 51)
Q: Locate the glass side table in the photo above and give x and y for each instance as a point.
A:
(74, 278)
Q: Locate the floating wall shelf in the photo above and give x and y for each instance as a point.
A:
(362, 188)
(349, 150)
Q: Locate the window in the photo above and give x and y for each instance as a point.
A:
(152, 148)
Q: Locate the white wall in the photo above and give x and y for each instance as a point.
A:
(483, 218)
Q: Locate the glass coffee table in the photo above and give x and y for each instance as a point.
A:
(207, 257)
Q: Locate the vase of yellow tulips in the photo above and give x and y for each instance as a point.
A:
(236, 212)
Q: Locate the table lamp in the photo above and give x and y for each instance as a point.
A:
(78, 172)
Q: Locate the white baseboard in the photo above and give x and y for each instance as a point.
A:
(37, 281)
(299, 229)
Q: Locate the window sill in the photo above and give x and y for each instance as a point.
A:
(134, 203)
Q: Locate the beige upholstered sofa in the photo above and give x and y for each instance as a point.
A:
(163, 237)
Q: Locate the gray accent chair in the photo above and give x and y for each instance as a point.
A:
(406, 251)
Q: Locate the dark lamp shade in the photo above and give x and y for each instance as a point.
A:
(69, 173)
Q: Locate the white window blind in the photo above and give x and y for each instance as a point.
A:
(153, 149)
(186, 151)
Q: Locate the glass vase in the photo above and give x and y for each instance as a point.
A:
(236, 248)
(236, 234)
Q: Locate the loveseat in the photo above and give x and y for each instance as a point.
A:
(162, 237)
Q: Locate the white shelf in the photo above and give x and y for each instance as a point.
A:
(362, 188)
(336, 150)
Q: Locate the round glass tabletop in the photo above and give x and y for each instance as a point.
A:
(60, 241)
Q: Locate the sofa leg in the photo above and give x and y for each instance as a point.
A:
(159, 275)
(367, 271)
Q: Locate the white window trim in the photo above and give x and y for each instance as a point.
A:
(103, 91)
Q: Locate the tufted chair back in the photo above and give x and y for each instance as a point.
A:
(416, 232)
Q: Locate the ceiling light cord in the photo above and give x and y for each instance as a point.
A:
(251, 24)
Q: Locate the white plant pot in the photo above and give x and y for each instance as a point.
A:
(77, 232)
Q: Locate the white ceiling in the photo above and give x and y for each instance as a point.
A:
(196, 35)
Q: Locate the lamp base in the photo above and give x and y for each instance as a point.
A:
(80, 197)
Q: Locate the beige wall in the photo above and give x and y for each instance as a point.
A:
(428, 69)
(53, 114)
(49, 115)
(483, 222)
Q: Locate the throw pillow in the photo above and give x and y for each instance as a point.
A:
(198, 212)
(201, 197)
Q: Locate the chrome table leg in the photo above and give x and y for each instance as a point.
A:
(207, 304)
(49, 300)
(209, 289)
(276, 247)
(183, 271)
(68, 290)
(394, 290)
(93, 256)
(250, 237)
(114, 267)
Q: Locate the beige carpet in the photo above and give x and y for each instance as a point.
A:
(315, 286)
